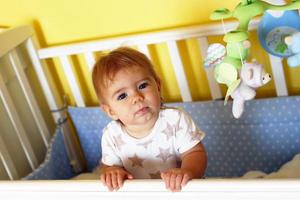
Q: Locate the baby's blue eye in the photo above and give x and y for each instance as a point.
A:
(122, 96)
(143, 86)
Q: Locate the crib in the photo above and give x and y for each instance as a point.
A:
(266, 137)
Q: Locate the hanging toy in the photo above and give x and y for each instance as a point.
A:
(252, 76)
(215, 54)
(293, 43)
(244, 12)
(237, 49)
(274, 27)
(227, 61)
(237, 44)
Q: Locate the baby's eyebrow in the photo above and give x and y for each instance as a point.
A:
(118, 91)
(144, 79)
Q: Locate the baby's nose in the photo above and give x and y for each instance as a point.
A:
(137, 97)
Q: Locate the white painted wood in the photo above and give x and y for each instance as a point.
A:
(37, 115)
(72, 80)
(7, 161)
(215, 90)
(207, 189)
(11, 38)
(142, 39)
(16, 122)
(278, 75)
(144, 49)
(90, 60)
(72, 149)
(179, 71)
(38, 67)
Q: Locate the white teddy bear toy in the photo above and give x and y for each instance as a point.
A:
(252, 76)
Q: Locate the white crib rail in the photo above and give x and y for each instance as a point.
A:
(17, 66)
(17, 124)
(10, 40)
(179, 71)
(170, 37)
(278, 75)
(209, 189)
(213, 85)
(54, 101)
(7, 161)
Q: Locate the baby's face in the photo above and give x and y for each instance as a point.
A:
(133, 97)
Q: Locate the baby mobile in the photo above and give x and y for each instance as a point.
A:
(279, 35)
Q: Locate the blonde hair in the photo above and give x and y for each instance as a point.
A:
(122, 58)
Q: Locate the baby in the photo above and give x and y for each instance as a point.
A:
(145, 139)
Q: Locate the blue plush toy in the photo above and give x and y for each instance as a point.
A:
(293, 43)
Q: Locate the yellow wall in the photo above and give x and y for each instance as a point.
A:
(62, 21)
(67, 21)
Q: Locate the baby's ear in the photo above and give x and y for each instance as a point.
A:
(106, 108)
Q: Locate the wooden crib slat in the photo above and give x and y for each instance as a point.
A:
(213, 85)
(278, 75)
(38, 67)
(72, 147)
(11, 38)
(90, 59)
(72, 81)
(7, 161)
(16, 122)
(37, 115)
(179, 71)
(144, 49)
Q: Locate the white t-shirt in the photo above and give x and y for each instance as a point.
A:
(173, 134)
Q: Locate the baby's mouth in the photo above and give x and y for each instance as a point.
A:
(142, 111)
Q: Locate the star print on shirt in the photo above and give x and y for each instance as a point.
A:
(155, 175)
(168, 131)
(164, 154)
(177, 127)
(119, 142)
(136, 161)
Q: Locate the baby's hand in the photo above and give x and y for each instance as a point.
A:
(113, 177)
(176, 178)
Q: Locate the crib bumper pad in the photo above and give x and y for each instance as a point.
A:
(264, 138)
(56, 164)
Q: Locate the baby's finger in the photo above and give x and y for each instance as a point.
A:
(120, 180)
(178, 182)
(185, 179)
(166, 178)
(114, 180)
(108, 182)
(172, 181)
